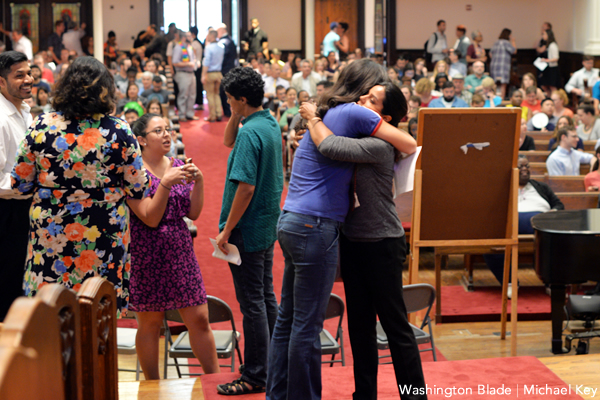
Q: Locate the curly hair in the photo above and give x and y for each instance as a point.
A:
(85, 89)
(244, 82)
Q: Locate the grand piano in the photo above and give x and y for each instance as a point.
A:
(567, 252)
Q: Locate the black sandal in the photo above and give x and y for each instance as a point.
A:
(239, 386)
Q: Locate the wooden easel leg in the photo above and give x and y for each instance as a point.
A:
(439, 261)
(507, 253)
(515, 295)
(413, 275)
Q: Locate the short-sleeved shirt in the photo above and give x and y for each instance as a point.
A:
(256, 159)
(473, 81)
(328, 44)
(319, 186)
(55, 42)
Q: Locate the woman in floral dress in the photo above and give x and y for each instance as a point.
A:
(80, 164)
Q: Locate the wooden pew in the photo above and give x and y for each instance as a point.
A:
(66, 311)
(566, 183)
(540, 155)
(98, 307)
(30, 341)
(589, 145)
(579, 200)
(535, 135)
(541, 144)
(539, 168)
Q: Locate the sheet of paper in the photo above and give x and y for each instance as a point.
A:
(404, 173)
(233, 256)
(539, 64)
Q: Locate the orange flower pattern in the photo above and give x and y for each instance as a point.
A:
(80, 173)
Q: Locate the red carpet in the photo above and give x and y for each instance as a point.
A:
(485, 304)
(525, 377)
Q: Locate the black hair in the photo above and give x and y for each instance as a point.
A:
(355, 80)
(448, 85)
(86, 88)
(458, 53)
(441, 21)
(545, 100)
(344, 26)
(326, 84)
(32, 66)
(278, 88)
(410, 123)
(157, 79)
(194, 30)
(111, 34)
(302, 91)
(291, 88)
(586, 108)
(139, 127)
(8, 59)
(132, 70)
(394, 103)
(404, 56)
(131, 110)
(37, 98)
(244, 82)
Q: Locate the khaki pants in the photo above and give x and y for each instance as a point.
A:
(213, 82)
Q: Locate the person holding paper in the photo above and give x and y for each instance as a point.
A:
(373, 248)
(309, 229)
(549, 77)
(248, 219)
(165, 274)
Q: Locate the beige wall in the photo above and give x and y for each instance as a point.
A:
(523, 17)
(280, 19)
(125, 21)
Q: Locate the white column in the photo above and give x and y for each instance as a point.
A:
(593, 44)
(369, 25)
(98, 30)
(309, 27)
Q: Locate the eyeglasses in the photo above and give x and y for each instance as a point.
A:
(161, 131)
(523, 166)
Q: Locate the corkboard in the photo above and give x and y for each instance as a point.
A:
(466, 196)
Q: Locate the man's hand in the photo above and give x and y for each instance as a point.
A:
(222, 239)
(203, 80)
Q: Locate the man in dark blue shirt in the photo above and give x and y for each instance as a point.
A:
(55, 44)
(230, 61)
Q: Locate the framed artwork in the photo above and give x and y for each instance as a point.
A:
(68, 12)
(25, 18)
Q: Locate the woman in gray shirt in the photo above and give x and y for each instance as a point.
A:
(373, 249)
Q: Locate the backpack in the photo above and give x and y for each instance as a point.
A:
(426, 54)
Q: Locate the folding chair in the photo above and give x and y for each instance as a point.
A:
(329, 344)
(226, 341)
(417, 297)
(126, 344)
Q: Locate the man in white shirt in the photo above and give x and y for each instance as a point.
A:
(274, 80)
(72, 38)
(305, 79)
(584, 78)
(565, 160)
(15, 86)
(20, 42)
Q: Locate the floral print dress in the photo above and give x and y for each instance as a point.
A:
(80, 173)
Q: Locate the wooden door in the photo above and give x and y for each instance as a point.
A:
(327, 11)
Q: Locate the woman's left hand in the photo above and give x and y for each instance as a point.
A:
(195, 175)
(308, 110)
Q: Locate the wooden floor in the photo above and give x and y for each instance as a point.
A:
(456, 341)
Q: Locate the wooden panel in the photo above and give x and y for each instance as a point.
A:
(579, 201)
(539, 168)
(566, 183)
(589, 145)
(452, 180)
(98, 306)
(540, 135)
(541, 144)
(327, 11)
(164, 389)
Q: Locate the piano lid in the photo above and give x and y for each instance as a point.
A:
(585, 222)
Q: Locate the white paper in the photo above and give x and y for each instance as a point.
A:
(233, 256)
(539, 64)
(404, 173)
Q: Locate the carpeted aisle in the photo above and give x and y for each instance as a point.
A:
(498, 378)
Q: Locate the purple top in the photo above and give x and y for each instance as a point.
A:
(320, 186)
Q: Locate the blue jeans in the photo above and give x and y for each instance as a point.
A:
(310, 248)
(495, 262)
(253, 281)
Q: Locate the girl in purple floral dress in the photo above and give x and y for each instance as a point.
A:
(165, 274)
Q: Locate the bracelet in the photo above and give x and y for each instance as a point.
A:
(168, 188)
